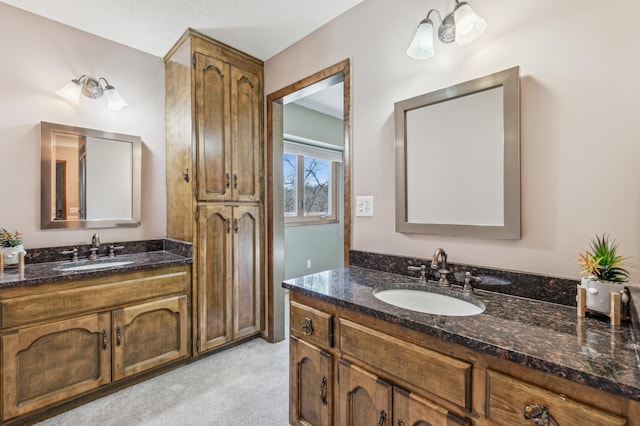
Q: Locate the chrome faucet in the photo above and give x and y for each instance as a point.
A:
(439, 263)
(95, 246)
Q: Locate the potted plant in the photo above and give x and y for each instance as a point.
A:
(10, 246)
(602, 263)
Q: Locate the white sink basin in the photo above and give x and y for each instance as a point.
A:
(428, 302)
(92, 266)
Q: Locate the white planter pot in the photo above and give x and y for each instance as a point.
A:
(11, 254)
(599, 293)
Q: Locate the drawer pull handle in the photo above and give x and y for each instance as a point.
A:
(104, 340)
(382, 418)
(228, 176)
(323, 390)
(235, 181)
(118, 336)
(539, 415)
(307, 328)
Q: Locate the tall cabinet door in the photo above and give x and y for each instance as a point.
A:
(365, 399)
(246, 107)
(46, 364)
(214, 274)
(213, 128)
(311, 383)
(247, 271)
(148, 335)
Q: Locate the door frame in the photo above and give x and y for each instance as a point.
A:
(274, 219)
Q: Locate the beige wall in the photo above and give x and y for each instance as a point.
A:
(38, 57)
(580, 119)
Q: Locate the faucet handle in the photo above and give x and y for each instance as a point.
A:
(468, 280)
(423, 272)
(112, 250)
(73, 252)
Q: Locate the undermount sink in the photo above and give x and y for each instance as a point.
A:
(423, 300)
(92, 266)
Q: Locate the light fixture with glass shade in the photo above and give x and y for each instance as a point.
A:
(92, 88)
(462, 25)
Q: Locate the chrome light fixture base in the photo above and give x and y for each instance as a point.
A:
(447, 30)
(92, 89)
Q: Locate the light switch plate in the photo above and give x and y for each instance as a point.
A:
(364, 205)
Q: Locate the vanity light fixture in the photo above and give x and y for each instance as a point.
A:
(92, 88)
(462, 25)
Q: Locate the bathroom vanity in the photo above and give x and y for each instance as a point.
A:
(70, 329)
(357, 360)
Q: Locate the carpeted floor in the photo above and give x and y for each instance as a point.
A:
(245, 385)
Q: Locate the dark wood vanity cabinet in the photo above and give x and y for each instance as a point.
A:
(379, 373)
(66, 339)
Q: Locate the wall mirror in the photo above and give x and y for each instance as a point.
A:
(457, 155)
(89, 178)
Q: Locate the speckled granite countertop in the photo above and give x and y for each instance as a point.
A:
(48, 272)
(545, 336)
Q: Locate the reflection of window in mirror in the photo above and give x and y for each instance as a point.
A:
(66, 204)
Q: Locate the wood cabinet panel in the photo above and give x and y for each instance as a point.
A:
(247, 271)
(410, 409)
(311, 324)
(409, 362)
(365, 399)
(311, 385)
(93, 295)
(46, 364)
(212, 97)
(508, 397)
(149, 335)
(215, 265)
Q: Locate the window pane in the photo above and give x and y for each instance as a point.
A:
(290, 193)
(317, 174)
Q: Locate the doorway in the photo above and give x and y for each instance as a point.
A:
(274, 216)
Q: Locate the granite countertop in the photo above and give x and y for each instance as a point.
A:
(545, 336)
(48, 272)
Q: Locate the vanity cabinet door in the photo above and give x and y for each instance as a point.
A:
(365, 399)
(149, 335)
(47, 364)
(410, 409)
(311, 385)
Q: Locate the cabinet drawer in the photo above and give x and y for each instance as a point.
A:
(96, 294)
(433, 372)
(508, 397)
(312, 324)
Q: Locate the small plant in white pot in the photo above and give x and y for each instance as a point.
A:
(10, 246)
(603, 265)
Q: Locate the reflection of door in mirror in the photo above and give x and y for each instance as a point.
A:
(65, 205)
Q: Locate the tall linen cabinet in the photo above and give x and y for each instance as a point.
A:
(215, 194)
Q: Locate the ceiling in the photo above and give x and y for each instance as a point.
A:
(261, 28)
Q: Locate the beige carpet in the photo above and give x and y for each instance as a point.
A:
(247, 385)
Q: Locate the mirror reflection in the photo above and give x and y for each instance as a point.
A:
(89, 178)
(458, 159)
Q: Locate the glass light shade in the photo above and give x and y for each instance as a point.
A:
(422, 45)
(469, 26)
(114, 100)
(71, 91)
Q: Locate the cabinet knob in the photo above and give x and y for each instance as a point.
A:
(399, 422)
(104, 340)
(235, 181)
(185, 175)
(538, 414)
(307, 328)
(118, 336)
(228, 176)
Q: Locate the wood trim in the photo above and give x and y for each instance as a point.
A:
(271, 245)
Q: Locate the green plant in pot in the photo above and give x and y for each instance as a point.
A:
(603, 266)
(10, 246)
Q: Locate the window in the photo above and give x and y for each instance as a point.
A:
(310, 190)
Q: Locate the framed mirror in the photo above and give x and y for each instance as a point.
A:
(89, 178)
(457, 156)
